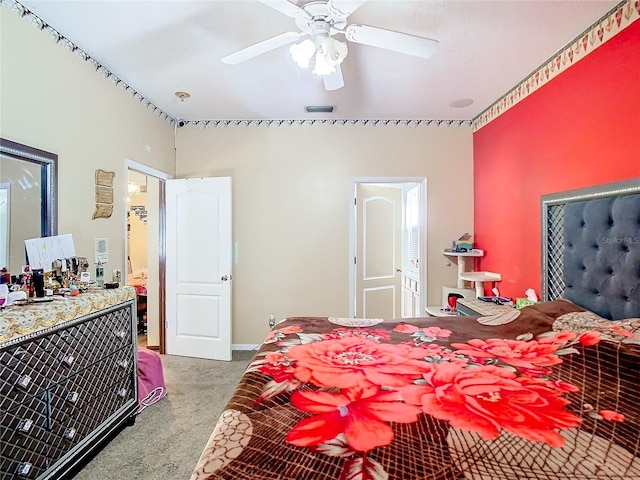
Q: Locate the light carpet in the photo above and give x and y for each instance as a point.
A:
(168, 437)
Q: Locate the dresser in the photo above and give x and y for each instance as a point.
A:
(68, 383)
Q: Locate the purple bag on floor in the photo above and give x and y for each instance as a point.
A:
(151, 387)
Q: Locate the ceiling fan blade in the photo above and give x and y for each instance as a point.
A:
(398, 42)
(261, 47)
(286, 7)
(344, 8)
(334, 80)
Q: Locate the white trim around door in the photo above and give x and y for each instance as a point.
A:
(422, 184)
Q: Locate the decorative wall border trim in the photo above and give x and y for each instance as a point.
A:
(288, 123)
(37, 22)
(609, 25)
(64, 42)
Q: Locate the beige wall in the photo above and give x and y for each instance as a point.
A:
(291, 184)
(52, 100)
(291, 206)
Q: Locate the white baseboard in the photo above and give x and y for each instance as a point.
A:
(245, 346)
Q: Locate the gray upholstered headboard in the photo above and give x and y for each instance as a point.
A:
(591, 248)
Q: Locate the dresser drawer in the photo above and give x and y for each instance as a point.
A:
(30, 461)
(90, 412)
(85, 400)
(76, 348)
(63, 389)
(21, 375)
(24, 436)
(26, 369)
(41, 430)
(115, 331)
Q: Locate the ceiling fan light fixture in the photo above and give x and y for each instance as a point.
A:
(303, 52)
(324, 54)
(322, 66)
(329, 53)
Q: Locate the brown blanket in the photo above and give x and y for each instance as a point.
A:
(429, 398)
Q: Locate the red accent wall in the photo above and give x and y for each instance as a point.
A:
(580, 129)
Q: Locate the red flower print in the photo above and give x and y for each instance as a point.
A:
(589, 338)
(276, 365)
(275, 357)
(435, 350)
(355, 361)
(290, 329)
(405, 328)
(438, 353)
(275, 335)
(279, 373)
(373, 333)
(360, 414)
(436, 332)
(559, 338)
(487, 399)
(619, 330)
(526, 355)
(612, 415)
(562, 386)
(271, 334)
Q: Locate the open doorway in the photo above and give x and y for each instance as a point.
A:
(138, 265)
(388, 247)
(144, 256)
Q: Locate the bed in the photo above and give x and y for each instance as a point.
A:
(550, 391)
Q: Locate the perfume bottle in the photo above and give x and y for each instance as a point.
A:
(5, 276)
(100, 273)
(38, 283)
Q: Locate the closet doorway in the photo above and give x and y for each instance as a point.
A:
(144, 250)
(387, 263)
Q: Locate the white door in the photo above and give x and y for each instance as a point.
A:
(198, 267)
(379, 253)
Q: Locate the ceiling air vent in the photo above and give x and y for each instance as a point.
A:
(319, 108)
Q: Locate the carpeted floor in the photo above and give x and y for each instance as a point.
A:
(168, 437)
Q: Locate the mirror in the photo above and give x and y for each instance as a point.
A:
(28, 200)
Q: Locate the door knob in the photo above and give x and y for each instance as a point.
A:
(224, 278)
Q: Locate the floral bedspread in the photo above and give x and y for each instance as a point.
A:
(431, 398)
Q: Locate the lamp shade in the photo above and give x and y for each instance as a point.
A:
(303, 52)
(325, 53)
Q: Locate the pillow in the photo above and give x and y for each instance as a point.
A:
(624, 331)
(555, 308)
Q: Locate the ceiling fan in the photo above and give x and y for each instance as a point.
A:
(319, 21)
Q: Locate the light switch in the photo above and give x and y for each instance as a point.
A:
(101, 246)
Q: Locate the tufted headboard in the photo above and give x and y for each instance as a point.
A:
(591, 248)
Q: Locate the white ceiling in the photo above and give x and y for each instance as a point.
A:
(160, 47)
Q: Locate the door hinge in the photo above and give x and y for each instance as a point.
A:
(355, 261)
